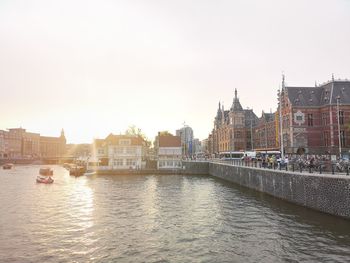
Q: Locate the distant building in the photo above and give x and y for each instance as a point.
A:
(169, 151)
(186, 135)
(17, 143)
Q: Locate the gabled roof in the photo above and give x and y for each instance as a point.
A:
(115, 139)
(169, 141)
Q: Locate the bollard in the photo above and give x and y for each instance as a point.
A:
(293, 167)
(280, 166)
(347, 170)
(321, 169)
(301, 168)
(310, 170)
(274, 166)
(332, 168)
(287, 167)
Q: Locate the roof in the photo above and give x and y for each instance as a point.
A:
(169, 141)
(115, 139)
(319, 96)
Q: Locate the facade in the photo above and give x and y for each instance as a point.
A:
(124, 151)
(266, 133)
(52, 147)
(17, 143)
(169, 152)
(233, 129)
(316, 119)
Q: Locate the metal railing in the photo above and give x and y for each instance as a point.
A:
(326, 167)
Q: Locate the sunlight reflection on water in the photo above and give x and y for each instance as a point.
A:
(170, 218)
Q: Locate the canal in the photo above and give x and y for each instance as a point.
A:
(169, 218)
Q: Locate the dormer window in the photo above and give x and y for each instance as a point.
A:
(124, 142)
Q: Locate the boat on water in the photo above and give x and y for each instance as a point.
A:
(7, 166)
(44, 179)
(90, 173)
(77, 171)
(46, 171)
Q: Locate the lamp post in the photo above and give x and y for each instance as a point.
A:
(339, 138)
(280, 120)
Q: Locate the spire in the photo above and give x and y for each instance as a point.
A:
(62, 133)
(333, 77)
(236, 105)
(283, 81)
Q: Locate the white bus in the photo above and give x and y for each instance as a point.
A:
(231, 155)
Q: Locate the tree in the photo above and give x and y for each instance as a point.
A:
(132, 130)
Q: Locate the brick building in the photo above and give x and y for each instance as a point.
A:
(310, 118)
(233, 128)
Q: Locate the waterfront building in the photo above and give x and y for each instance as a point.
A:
(53, 147)
(169, 151)
(316, 119)
(125, 151)
(17, 143)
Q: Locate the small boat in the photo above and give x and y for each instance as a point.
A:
(90, 173)
(46, 171)
(7, 166)
(44, 179)
(77, 171)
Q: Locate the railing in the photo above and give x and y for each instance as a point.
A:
(320, 168)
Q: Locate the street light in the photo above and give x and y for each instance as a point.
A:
(338, 99)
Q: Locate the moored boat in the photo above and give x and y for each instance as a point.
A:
(44, 179)
(46, 171)
(90, 173)
(7, 166)
(77, 171)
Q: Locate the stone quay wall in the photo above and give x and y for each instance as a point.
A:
(323, 192)
(196, 168)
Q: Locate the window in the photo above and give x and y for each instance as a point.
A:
(299, 118)
(342, 138)
(326, 138)
(124, 142)
(130, 162)
(341, 117)
(310, 121)
(118, 150)
(324, 118)
(130, 150)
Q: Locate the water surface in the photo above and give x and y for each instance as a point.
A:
(169, 218)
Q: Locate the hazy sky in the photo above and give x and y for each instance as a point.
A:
(95, 67)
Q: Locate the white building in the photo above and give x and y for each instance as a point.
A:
(124, 151)
(169, 152)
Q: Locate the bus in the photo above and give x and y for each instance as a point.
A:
(231, 155)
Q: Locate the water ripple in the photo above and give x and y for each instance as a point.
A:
(170, 218)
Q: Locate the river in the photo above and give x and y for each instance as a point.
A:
(157, 218)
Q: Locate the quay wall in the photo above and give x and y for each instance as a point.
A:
(323, 192)
(196, 168)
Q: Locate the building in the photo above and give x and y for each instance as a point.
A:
(52, 147)
(125, 151)
(169, 151)
(266, 133)
(17, 143)
(233, 128)
(316, 119)
(186, 135)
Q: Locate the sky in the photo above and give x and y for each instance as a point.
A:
(97, 67)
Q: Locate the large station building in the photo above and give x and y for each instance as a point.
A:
(315, 120)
